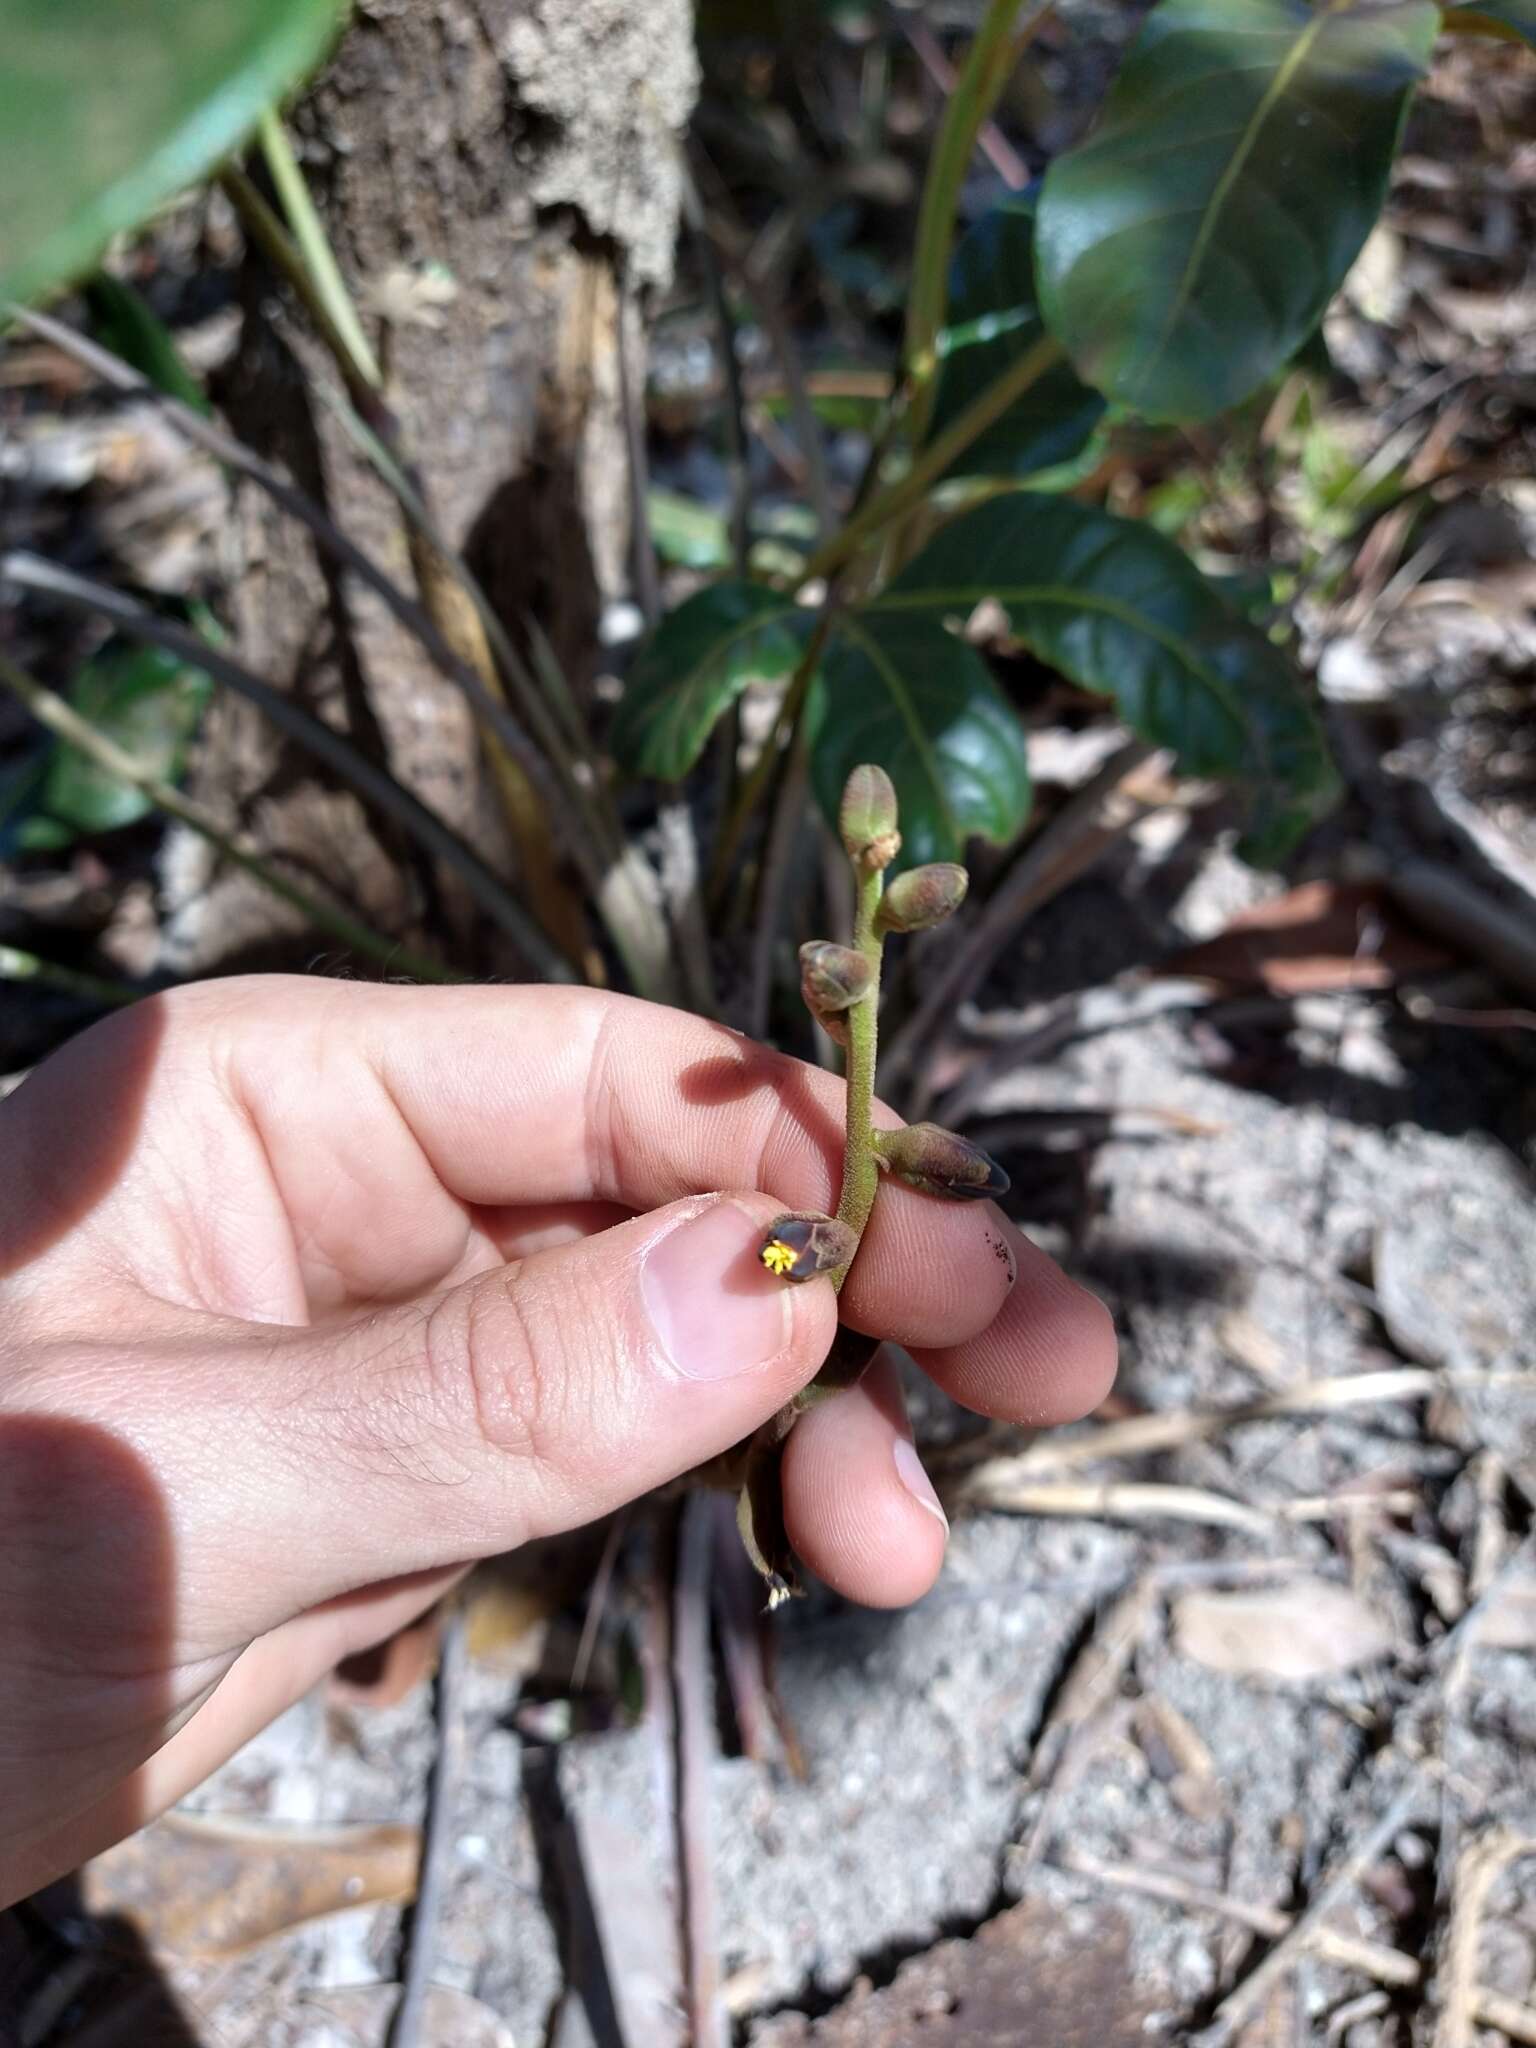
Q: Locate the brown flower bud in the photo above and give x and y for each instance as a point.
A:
(833, 977)
(922, 897)
(804, 1245)
(937, 1162)
(866, 819)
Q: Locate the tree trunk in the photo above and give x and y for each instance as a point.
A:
(528, 151)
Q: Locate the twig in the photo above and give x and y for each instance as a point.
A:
(992, 142)
(375, 784)
(17, 965)
(405, 2027)
(1372, 1959)
(1076, 837)
(61, 717)
(708, 2025)
(1476, 1873)
(1270, 1923)
(1140, 1435)
(1075, 1713)
(1136, 1500)
(1253, 1992)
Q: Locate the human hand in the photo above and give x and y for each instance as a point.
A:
(312, 1292)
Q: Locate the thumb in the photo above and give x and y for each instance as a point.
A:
(528, 1400)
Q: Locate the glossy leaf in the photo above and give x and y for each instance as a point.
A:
(146, 701)
(122, 321)
(1512, 20)
(1190, 245)
(694, 667)
(994, 318)
(108, 109)
(906, 692)
(1118, 609)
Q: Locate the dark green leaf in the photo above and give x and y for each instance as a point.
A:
(1514, 20)
(994, 318)
(149, 703)
(1190, 245)
(903, 691)
(110, 107)
(122, 322)
(695, 665)
(1118, 609)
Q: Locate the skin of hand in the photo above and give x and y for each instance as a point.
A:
(312, 1293)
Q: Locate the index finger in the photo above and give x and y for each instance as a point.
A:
(535, 1095)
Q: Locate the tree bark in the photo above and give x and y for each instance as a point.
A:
(528, 150)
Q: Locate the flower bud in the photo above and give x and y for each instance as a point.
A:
(937, 1162)
(922, 897)
(833, 977)
(803, 1246)
(866, 819)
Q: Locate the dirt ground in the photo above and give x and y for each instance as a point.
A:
(1218, 1727)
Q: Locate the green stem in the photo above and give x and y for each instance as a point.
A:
(15, 965)
(309, 233)
(285, 257)
(936, 458)
(62, 719)
(861, 1173)
(986, 69)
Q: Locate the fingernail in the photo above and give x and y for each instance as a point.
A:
(715, 1311)
(909, 1470)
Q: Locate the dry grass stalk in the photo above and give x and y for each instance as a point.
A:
(1373, 1959)
(1145, 1500)
(1477, 1871)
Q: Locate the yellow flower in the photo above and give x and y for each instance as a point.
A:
(777, 1256)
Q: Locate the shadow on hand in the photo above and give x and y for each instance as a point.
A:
(66, 1133)
(87, 1591)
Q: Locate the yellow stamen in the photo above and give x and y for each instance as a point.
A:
(777, 1256)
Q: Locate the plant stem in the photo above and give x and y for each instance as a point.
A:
(309, 233)
(61, 718)
(861, 1174)
(283, 253)
(935, 459)
(981, 80)
(764, 767)
(15, 965)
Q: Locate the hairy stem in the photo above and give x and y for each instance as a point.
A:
(861, 1174)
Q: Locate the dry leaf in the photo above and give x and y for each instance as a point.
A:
(1304, 1629)
(200, 1885)
(1308, 941)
